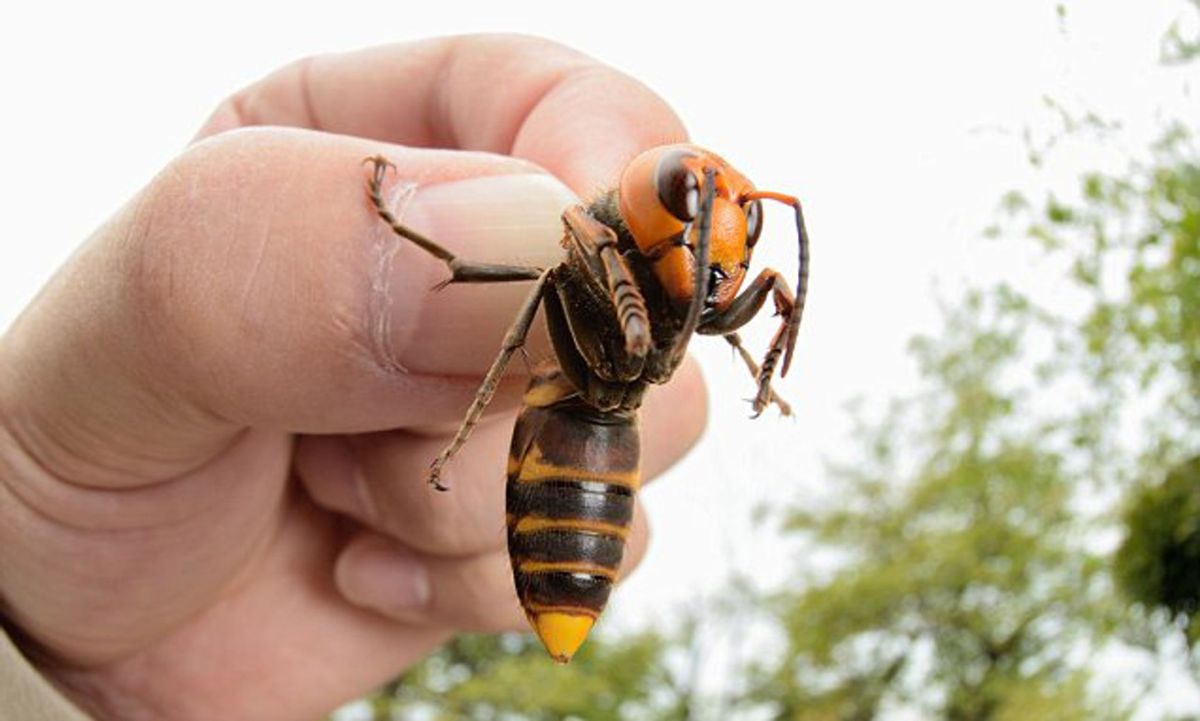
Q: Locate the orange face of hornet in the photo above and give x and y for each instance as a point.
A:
(659, 196)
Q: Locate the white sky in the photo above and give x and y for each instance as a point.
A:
(898, 123)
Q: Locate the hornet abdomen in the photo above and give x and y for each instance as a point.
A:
(572, 475)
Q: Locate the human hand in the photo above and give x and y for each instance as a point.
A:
(216, 419)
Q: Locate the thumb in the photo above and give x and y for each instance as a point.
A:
(251, 284)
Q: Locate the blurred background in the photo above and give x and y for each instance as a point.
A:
(988, 506)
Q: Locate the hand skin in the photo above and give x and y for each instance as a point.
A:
(216, 419)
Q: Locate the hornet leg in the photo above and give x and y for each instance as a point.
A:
(736, 341)
(513, 340)
(746, 306)
(461, 271)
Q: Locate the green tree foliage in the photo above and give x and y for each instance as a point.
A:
(1134, 243)
(1178, 47)
(1159, 563)
(965, 577)
(510, 678)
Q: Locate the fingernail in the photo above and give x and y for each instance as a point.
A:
(379, 575)
(499, 219)
(512, 219)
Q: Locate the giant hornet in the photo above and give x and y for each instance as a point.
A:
(649, 263)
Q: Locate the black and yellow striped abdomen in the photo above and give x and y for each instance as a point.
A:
(573, 473)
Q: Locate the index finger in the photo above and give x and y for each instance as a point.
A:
(508, 94)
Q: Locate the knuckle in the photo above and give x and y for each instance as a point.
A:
(177, 237)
